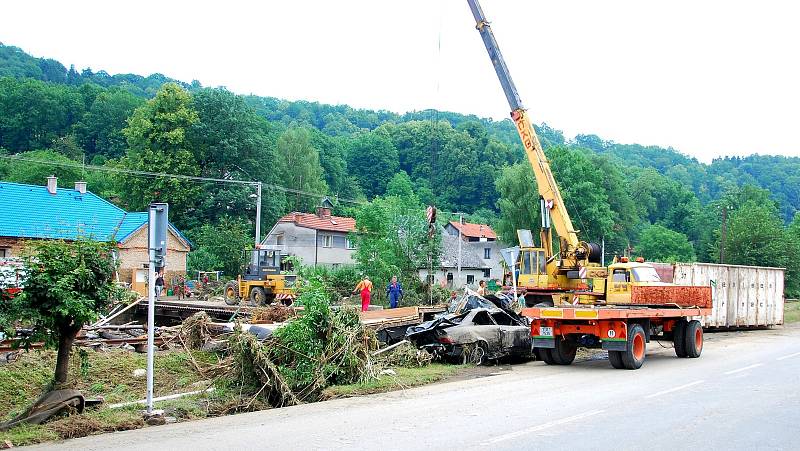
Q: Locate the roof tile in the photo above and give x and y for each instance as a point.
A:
(329, 223)
(475, 230)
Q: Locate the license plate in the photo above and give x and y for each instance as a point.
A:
(546, 331)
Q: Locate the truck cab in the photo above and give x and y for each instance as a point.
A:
(622, 276)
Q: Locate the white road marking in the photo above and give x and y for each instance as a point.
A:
(788, 356)
(541, 427)
(690, 384)
(749, 367)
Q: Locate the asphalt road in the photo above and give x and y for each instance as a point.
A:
(743, 393)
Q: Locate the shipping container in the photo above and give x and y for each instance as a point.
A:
(743, 296)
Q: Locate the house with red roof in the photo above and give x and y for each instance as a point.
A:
(470, 253)
(470, 232)
(318, 238)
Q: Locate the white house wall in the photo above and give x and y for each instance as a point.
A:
(308, 245)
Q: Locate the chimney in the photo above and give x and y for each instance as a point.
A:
(80, 187)
(52, 184)
(323, 212)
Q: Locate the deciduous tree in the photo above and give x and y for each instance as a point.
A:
(67, 285)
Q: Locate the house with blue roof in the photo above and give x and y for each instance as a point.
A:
(33, 212)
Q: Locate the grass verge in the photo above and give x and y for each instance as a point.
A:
(791, 312)
(108, 375)
(404, 378)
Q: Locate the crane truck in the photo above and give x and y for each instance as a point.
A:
(573, 300)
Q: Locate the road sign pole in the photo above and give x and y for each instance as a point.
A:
(151, 306)
(157, 225)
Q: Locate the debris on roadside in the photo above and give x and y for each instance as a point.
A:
(272, 314)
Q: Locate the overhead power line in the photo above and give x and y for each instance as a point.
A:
(179, 176)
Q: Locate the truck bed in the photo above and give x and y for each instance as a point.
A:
(612, 312)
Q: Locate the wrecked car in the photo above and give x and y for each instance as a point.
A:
(477, 335)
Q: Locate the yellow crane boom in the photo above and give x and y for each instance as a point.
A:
(574, 252)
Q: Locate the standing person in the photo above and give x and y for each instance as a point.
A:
(394, 291)
(482, 288)
(181, 286)
(159, 284)
(365, 288)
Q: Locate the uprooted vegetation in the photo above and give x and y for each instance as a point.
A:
(322, 354)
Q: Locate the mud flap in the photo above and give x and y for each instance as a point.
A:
(615, 345)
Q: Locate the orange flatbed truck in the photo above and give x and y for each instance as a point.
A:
(623, 331)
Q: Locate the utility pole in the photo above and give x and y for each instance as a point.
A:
(722, 236)
(258, 213)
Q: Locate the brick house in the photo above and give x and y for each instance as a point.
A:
(317, 238)
(33, 212)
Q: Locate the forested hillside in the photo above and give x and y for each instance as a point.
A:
(653, 200)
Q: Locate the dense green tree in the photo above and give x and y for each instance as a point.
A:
(33, 113)
(157, 140)
(582, 187)
(99, 131)
(661, 244)
(67, 285)
(400, 185)
(373, 161)
(220, 246)
(792, 284)
(230, 141)
(36, 174)
(298, 163)
(755, 237)
(392, 240)
(518, 201)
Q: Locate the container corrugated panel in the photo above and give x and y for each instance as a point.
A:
(744, 296)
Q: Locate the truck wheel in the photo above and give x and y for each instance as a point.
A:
(633, 357)
(693, 340)
(257, 296)
(564, 352)
(679, 337)
(546, 355)
(232, 293)
(615, 357)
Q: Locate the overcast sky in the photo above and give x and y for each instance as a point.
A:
(709, 78)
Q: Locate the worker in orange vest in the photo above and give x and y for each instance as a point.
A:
(365, 288)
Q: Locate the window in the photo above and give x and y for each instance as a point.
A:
(542, 263)
(3, 252)
(487, 253)
(470, 279)
(351, 243)
(482, 319)
(327, 241)
(280, 239)
(430, 279)
(503, 319)
(487, 273)
(645, 274)
(621, 276)
(525, 263)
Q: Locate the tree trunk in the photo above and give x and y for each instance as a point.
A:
(66, 338)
